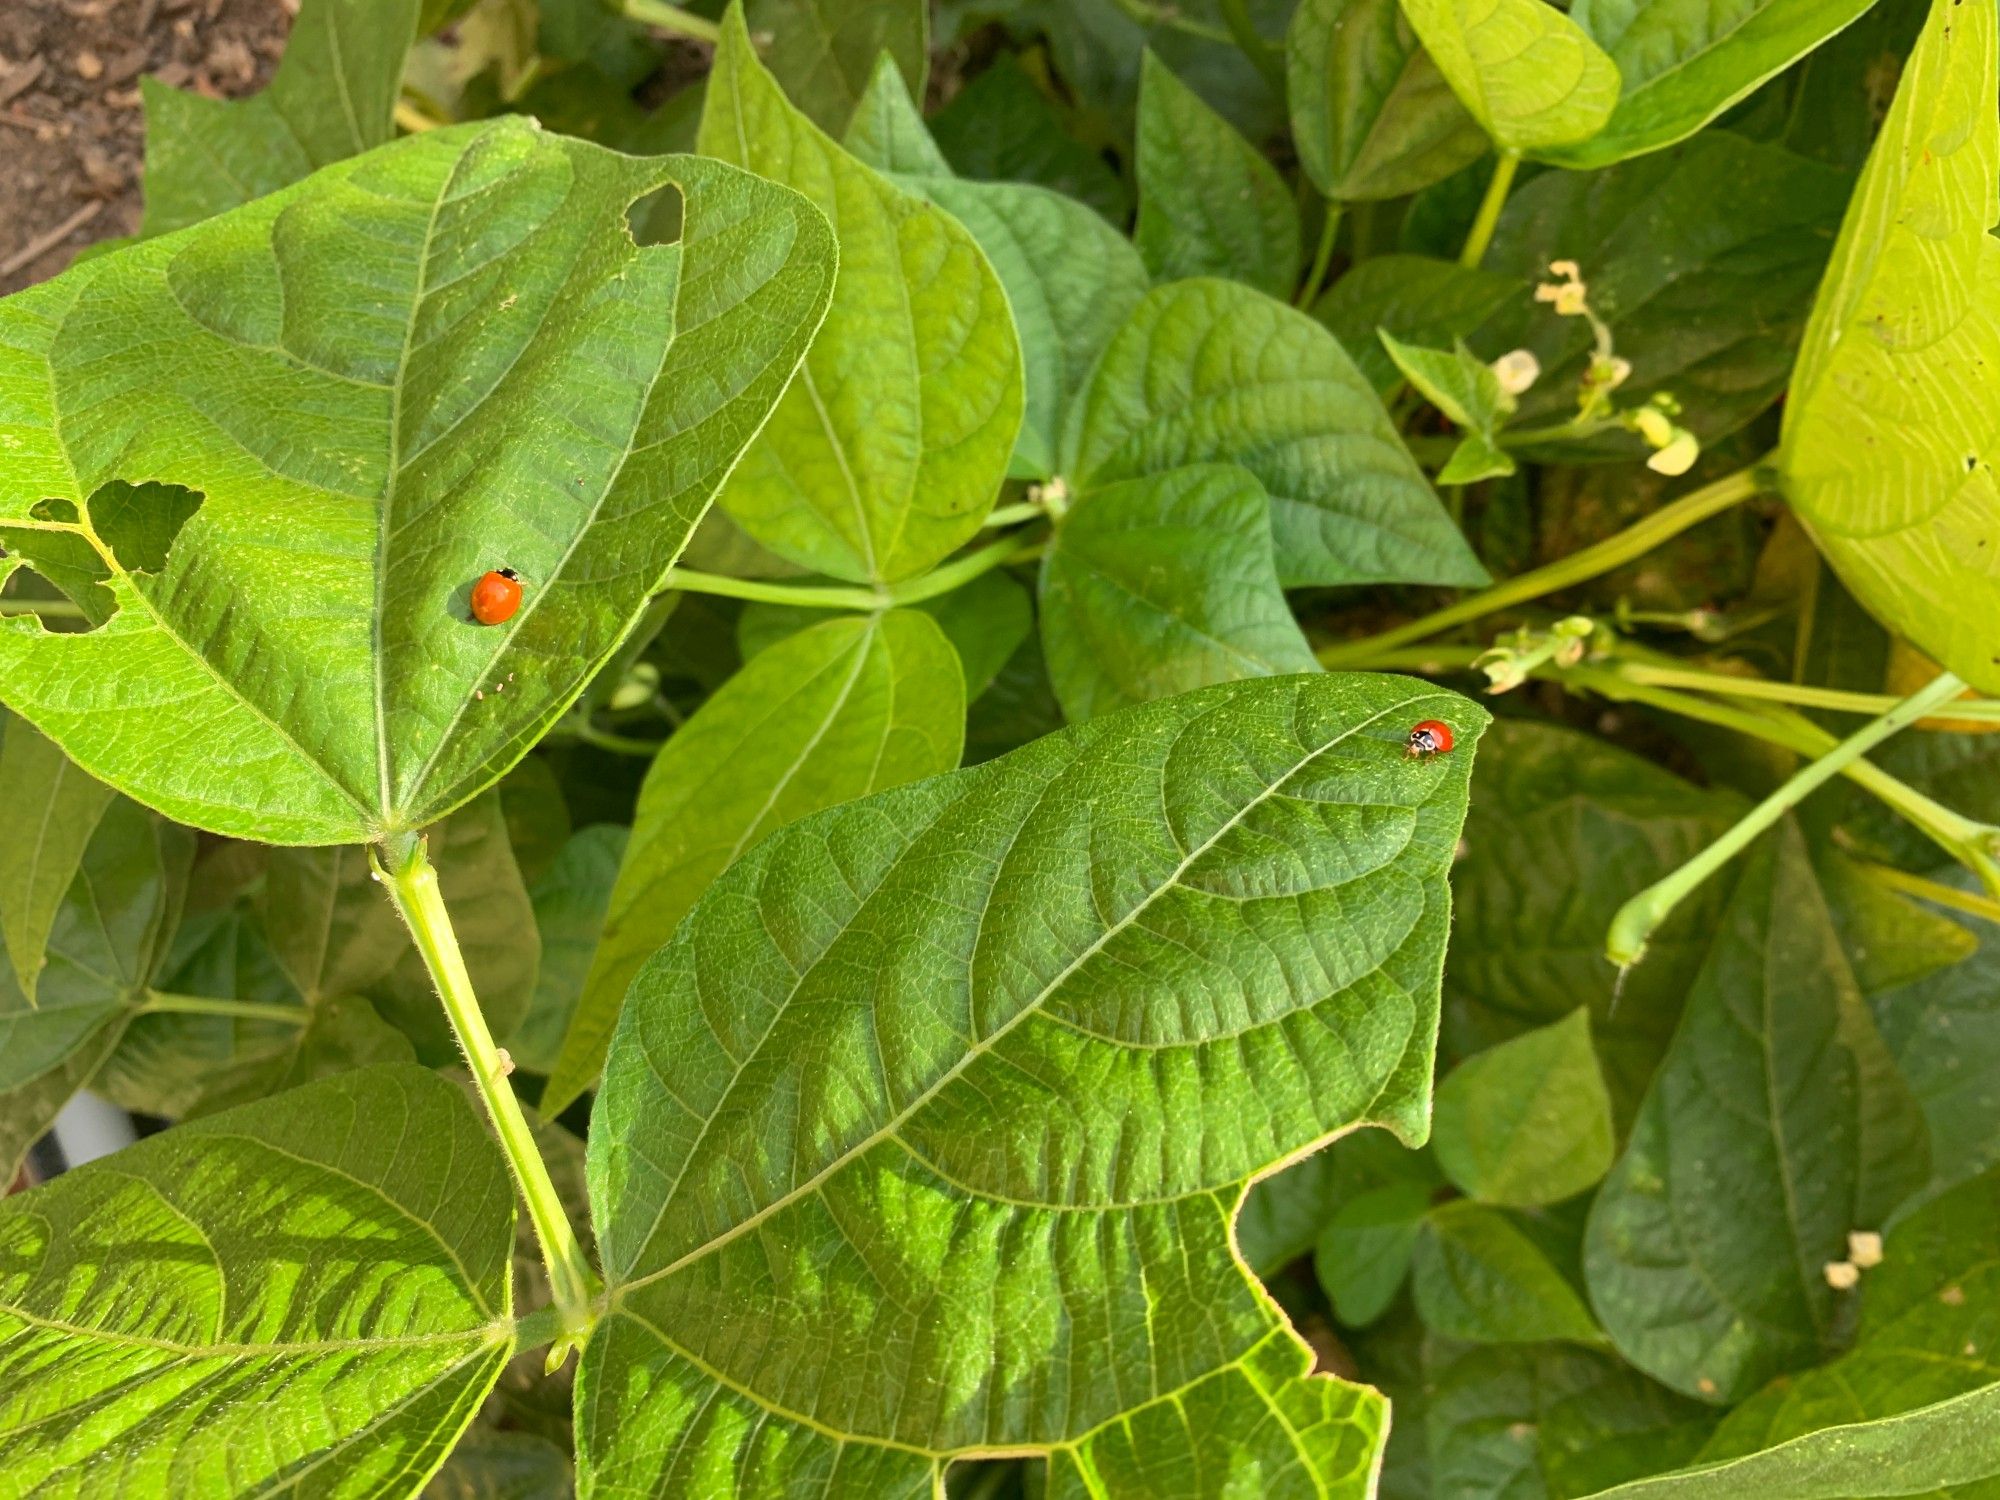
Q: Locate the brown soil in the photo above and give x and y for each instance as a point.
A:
(72, 134)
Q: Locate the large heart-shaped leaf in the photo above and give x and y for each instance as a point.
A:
(1210, 203)
(924, 1136)
(1372, 116)
(105, 944)
(1683, 62)
(1776, 1125)
(307, 1295)
(835, 712)
(60, 808)
(1525, 70)
(1891, 434)
(888, 450)
(1209, 371)
(332, 97)
(442, 357)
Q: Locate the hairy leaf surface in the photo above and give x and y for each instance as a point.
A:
(439, 358)
(305, 1295)
(925, 1134)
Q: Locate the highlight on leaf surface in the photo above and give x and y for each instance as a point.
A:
(924, 1136)
(421, 363)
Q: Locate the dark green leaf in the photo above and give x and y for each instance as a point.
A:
(848, 707)
(1478, 1277)
(307, 1294)
(823, 51)
(1371, 115)
(1211, 925)
(1776, 1125)
(1364, 1254)
(1154, 586)
(1419, 300)
(1529, 1121)
(439, 358)
(1002, 128)
(1282, 1216)
(1208, 371)
(570, 902)
(489, 1465)
(56, 808)
(1210, 203)
(1889, 445)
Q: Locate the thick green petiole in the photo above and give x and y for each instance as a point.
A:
(1497, 188)
(1639, 918)
(940, 580)
(159, 1003)
(413, 887)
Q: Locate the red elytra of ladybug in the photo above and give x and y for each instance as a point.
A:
(496, 596)
(1429, 738)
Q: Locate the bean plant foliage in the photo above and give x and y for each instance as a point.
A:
(926, 956)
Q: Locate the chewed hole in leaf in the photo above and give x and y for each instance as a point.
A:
(139, 522)
(58, 569)
(655, 218)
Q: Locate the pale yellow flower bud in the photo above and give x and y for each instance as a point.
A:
(1516, 371)
(1864, 1248)
(1653, 426)
(1678, 456)
(1842, 1275)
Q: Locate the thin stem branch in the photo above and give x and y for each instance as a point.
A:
(1641, 916)
(1934, 891)
(1263, 56)
(413, 887)
(1800, 695)
(1483, 224)
(941, 580)
(1322, 257)
(1601, 557)
(54, 609)
(1142, 13)
(159, 1002)
(671, 18)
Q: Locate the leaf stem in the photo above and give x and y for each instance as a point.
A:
(1488, 217)
(1799, 695)
(1601, 557)
(1935, 891)
(1322, 257)
(1640, 917)
(54, 609)
(1251, 42)
(159, 1002)
(413, 887)
(661, 16)
(942, 580)
(1143, 13)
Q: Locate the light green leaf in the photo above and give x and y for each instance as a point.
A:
(1419, 300)
(888, 130)
(1154, 586)
(332, 97)
(1525, 70)
(56, 808)
(1775, 1126)
(1890, 440)
(1475, 458)
(823, 51)
(1927, 1335)
(1210, 203)
(335, 933)
(847, 708)
(307, 1295)
(109, 936)
(888, 449)
(1683, 62)
(1070, 278)
(1209, 371)
(1364, 1255)
(982, 1200)
(1529, 1121)
(1456, 381)
(570, 903)
(1563, 828)
(441, 357)
(1477, 1276)
(1702, 262)
(1371, 115)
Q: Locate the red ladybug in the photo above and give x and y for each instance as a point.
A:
(496, 596)
(1429, 738)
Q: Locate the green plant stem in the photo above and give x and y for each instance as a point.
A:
(1013, 515)
(1329, 232)
(1489, 210)
(942, 580)
(617, 744)
(1799, 695)
(1601, 557)
(1141, 13)
(158, 1002)
(1640, 917)
(1935, 891)
(664, 17)
(413, 887)
(1263, 56)
(542, 1326)
(54, 609)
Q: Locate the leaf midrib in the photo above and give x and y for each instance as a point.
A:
(986, 1044)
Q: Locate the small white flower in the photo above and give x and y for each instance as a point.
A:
(1678, 456)
(1517, 370)
(1864, 1248)
(1842, 1275)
